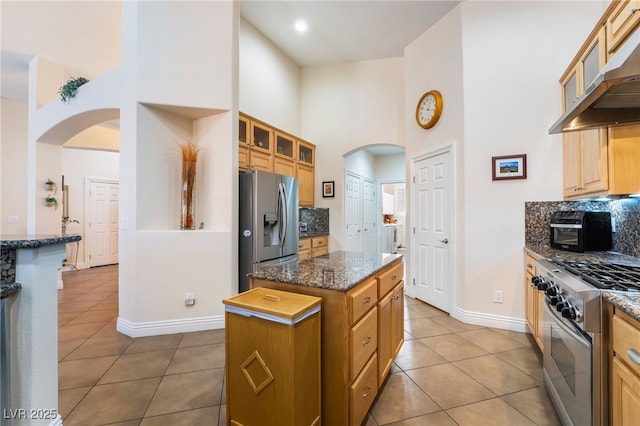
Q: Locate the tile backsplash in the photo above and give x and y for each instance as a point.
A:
(625, 213)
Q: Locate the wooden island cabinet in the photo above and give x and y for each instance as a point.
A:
(362, 323)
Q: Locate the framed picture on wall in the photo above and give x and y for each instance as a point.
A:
(327, 189)
(509, 167)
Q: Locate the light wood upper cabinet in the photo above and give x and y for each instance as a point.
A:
(623, 18)
(600, 162)
(264, 147)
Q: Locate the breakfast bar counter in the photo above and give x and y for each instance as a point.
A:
(32, 261)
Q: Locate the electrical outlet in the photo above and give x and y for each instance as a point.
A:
(189, 299)
(498, 296)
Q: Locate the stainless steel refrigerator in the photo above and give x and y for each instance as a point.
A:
(268, 222)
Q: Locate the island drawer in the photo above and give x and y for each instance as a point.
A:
(388, 279)
(304, 244)
(364, 341)
(319, 241)
(363, 299)
(626, 342)
(363, 391)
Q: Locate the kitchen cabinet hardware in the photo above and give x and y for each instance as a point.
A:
(366, 341)
(366, 394)
(634, 356)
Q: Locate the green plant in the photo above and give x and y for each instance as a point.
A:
(51, 201)
(69, 89)
(65, 220)
(49, 182)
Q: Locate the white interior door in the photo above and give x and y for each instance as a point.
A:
(432, 241)
(103, 223)
(353, 216)
(369, 215)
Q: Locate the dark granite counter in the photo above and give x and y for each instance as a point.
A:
(10, 243)
(35, 240)
(9, 289)
(629, 303)
(338, 270)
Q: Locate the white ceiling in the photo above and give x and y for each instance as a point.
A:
(343, 31)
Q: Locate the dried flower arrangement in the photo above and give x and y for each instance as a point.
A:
(189, 153)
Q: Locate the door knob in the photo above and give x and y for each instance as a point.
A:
(445, 241)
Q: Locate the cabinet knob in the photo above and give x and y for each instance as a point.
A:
(634, 356)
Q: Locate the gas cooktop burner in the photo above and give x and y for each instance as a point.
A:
(605, 275)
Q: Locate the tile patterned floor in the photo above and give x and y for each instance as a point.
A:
(447, 373)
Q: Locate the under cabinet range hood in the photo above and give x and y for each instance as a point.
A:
(612, 98)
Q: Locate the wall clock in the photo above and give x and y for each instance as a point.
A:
(429, 109)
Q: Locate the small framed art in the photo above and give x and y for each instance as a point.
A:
(328, 189)
(509, 167)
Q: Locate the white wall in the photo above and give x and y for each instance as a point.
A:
(13, 157)
(345, 107)
(497, 65)
(269, 88)
(78, 164)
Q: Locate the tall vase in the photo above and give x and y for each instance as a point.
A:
(187, 195)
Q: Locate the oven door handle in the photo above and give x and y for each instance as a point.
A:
(560, 321)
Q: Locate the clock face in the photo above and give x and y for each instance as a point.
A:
(429, 109)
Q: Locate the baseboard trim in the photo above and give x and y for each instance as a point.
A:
(490, 320)
(157, 328)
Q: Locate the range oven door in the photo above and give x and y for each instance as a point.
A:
(567, 367)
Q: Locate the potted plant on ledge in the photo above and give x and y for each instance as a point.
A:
(64, 222)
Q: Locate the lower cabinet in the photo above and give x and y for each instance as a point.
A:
(534, 301)
(313, 247)
(625, 370)
(390, 329)
(360, 333)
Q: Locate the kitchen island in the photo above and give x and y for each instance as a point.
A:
(362, 323)
(32, 261)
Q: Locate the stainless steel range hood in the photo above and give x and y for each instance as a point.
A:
(613, 97)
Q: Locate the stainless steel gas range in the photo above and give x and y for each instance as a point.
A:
(573, 358)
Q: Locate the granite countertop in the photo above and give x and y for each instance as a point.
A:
(338, 270)
(628, 302)
(9, 289)
(21, 241)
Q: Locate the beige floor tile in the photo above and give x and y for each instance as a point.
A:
(154, 343)
(424, 327)
(453, 324)
(101, 346)
(116, 402)
(425, 310)
(78, 331)
(448, 386)
(200, 416)
(109, 329)
(107, 304)
(138, 366)
(84, 372)
(187, 391)
(65, 317)
(69, 398)
(222, 420)
(453, 347)
(526, 359)
(76, 306)
(65, 347)
(524, 338)
(497, 375)
(194, 358)
(401, 399)
(536, 405)
(490, 340)
(209, 337)
(435, 419)
(493, 412)
(415, 354)
(94, 316)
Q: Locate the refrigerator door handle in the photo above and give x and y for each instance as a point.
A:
(283, 213)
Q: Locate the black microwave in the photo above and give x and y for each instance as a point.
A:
(581, 231)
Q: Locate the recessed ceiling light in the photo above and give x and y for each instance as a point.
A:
(301, 26)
